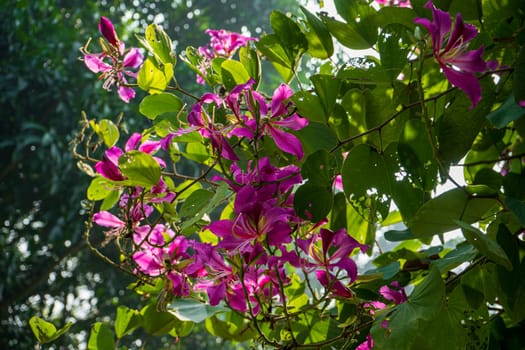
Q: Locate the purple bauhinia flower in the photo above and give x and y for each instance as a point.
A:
(450, 49)
(119, 62)
(275, 117)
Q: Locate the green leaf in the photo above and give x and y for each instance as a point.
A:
(270, 46)
(316, 136)
(193, 310)
(309, 106)
(506, 113)
(517, 207)
(159, 44)
(126, 321)
(320, 168)
(154, 105)
(313, 202)
(195, 202)
(425, 303)
(152, 78)
(393, 14)
(251, 62)
(101, 337)
(107, 131)
(289, 34)
(518, 87)
(511, 283)
(460, 124)
(157, 322)
(320, 44)
(140, 168)
(394, 46)
(99, 188)
(464, 252)
(439, 214)
(327, 88)
(416, 154)
(46, 332)
(231, 326)
(485, 245)
(347, 34)
(221, 193)
(364, 159)
(233, 73)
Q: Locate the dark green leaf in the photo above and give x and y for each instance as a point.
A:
(508, 112)
(320, 44)
(517, 207)
(154, 105)
(289, 34)
(394, 46)
(460, 124)
(320, 168)
(157, 322)
(347, 34)
(519, 77)
(485, 245)
(309, 106)
(327, 88)
(313, 202)
(195, 202)
(439, 215)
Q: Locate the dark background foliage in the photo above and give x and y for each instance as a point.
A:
(45, 265)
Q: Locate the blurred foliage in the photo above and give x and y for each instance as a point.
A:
(46, 268)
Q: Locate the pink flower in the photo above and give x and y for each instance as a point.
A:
(334, 252)
(450, 47)
(109, 167)
(396, 294)
(119, 61)
(223, 43)
(275, 117)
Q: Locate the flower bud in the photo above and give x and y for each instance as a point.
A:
(108, 31)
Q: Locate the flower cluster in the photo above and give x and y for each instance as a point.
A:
(223, 44)
(115, 62)
(262, 239)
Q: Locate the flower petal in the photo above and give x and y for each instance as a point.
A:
(287, 142)
(133, 58)
(106, 219)
(94, 62)
(465, 81)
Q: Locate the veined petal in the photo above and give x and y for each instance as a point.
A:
(294, 122)
(133, 58)
(461, 33)
(148, 263)
(280, 96)
(126, 93)
(133, 142)
(465, 81)
(106, 219)
(470, 61)
(287, 142)
(94, 62)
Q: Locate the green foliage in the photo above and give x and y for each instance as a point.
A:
(390, 126)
